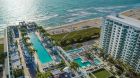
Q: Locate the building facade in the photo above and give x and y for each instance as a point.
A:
(120, 38)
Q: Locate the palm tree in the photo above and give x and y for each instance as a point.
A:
(23, 34)
(75, 66)
(89, 56)
(102, 54)
(39, 75)
(44, 75)
(32, 51)
(23, 29)
(54, 43)
(48, 74)
(46, 34)
(28, 44)
(39, 27)
(62, 63)
(110, 59)
(16, 43)
(95, 47)
(18, 72)
(26, 38)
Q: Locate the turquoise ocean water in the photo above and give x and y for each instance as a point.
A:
(50, 13)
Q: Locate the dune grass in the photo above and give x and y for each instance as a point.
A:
(1, 53)
(76, 36)
(1, 47)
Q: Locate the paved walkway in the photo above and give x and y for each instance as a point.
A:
(93, 75)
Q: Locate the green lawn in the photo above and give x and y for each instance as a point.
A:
(76, 36)
(91, 76)
(102, 73)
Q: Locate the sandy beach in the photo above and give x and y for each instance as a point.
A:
(133, 13)
(75, 26)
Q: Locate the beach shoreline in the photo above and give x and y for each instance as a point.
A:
(65, 25)
(49, 28)
(89, 23)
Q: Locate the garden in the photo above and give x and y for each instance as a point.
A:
(102, 73)
(2, 54)
(67, 39)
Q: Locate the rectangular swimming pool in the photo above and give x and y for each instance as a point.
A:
(42, 53)
(75, 50)
(82, 64)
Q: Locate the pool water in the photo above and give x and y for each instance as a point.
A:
(96, 61)
(75, 50)
(79, 61)
(42, 53)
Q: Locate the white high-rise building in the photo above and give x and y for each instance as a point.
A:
(120, 38)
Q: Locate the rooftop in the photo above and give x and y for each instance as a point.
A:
(126, 20)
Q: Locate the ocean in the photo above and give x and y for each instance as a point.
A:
(50, 13)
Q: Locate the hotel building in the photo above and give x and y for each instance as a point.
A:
(120, 38)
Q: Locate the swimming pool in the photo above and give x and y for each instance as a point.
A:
(96, 61)
(42, 53)
(84, 64)
(75, 50)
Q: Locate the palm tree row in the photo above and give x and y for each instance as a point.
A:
(75, 66)
(89, 56)
(44, 75)
(28, 44)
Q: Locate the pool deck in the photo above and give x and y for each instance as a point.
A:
(37, 61)
(42, 52)
(80, 54)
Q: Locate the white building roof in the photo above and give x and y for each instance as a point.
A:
(126, 20)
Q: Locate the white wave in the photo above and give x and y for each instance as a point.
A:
(110, 7)
(39, 17)
(73, 10)
(82, 13)
(31, 18)
(71, 20)
(78, 15)
(104, 11)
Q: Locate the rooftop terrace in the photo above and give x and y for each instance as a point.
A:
(126, 20)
